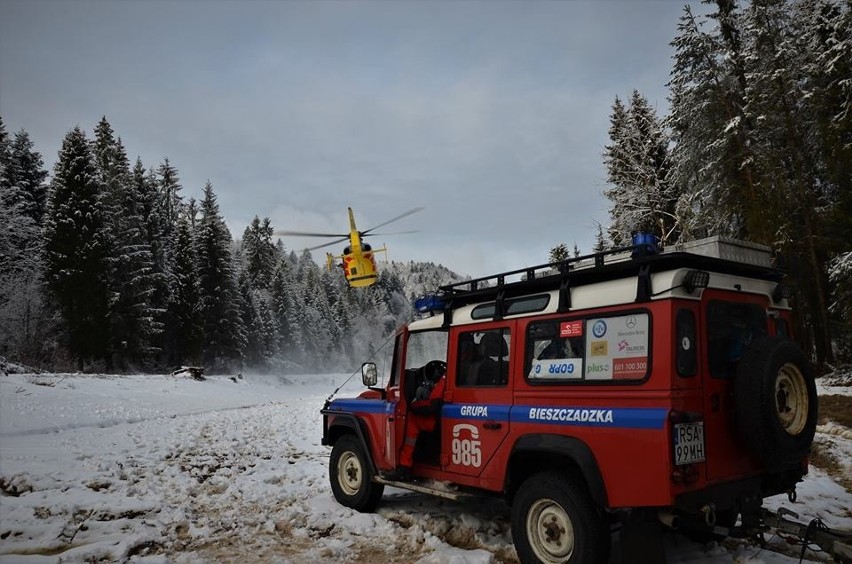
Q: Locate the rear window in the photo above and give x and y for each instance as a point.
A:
(731, 327)
(602, 349)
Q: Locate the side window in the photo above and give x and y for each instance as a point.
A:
(483, 358)
(685, 343)
(731, 327)
(555, 350)
(618, 347)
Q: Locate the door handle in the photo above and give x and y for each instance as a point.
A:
(492, 426)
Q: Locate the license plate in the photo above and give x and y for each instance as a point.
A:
(688, 443)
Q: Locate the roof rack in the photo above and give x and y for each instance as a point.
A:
(638, 260)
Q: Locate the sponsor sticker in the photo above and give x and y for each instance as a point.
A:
(557, 368)
(571, 329)
(599, 328)
(599, 371)
(600, 348)
(632, 367)
(625, 346)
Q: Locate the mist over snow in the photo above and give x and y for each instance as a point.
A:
(168, 469)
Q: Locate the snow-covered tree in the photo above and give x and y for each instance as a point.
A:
(642, 196)
(24, 317)
(184, 311)
(558, 253)
(135, 317)
(170, 187)
(710, 156)
(144, 188)
(284, 302)
(168, 203)
(224, 336)
(22, 175)
(75, 249)
(258, 253)
(762, 136)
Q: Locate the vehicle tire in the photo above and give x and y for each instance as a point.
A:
(775, 402)
(351, 477)
(555, 520)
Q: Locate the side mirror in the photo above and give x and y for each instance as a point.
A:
(369, 374)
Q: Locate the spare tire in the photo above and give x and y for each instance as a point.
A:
(776, 402)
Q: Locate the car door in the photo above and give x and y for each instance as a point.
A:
(475, 416)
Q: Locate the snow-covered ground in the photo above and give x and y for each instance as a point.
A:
(168, 469)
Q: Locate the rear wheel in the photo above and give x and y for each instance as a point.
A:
(351, 477)
(555, 520)
(776, 402)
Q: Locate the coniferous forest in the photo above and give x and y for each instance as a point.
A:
(757, 145)
(105, 265)
(108, 267)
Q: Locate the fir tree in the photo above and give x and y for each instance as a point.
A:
(143, 186)
(23, 177)
(169, 185)
(710, 157)
(637, 164)
(184, 299)
(135, 320)
(253, 350)
(762, 136)
(283, 303)
(600, 240)
(558, 253)
(259, 253)
(790, 189)
(169, 203)
(75, 249)
(224, 336)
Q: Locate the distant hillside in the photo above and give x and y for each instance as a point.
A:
(420, 277)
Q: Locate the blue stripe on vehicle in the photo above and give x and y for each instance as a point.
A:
(629, 418)
(476, 411)
(624, 417)
(358, 405)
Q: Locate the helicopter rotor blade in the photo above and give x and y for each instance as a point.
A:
(335, 242)
(406, 214)
(307, 234)
(390, 233)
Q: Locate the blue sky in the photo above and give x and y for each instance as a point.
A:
(493, 115)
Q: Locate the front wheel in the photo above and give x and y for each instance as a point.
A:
(555, 520)
(351, 477)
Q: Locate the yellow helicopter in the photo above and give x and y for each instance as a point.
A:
(358, 259)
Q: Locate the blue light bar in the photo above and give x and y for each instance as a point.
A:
(644, 244)
(429, 302)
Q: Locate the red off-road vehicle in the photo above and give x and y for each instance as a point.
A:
(603, 389)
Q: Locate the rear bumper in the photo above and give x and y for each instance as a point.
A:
(739, 494)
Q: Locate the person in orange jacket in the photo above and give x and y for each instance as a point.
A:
(423, 411)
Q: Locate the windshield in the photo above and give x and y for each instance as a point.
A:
(426, 346)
